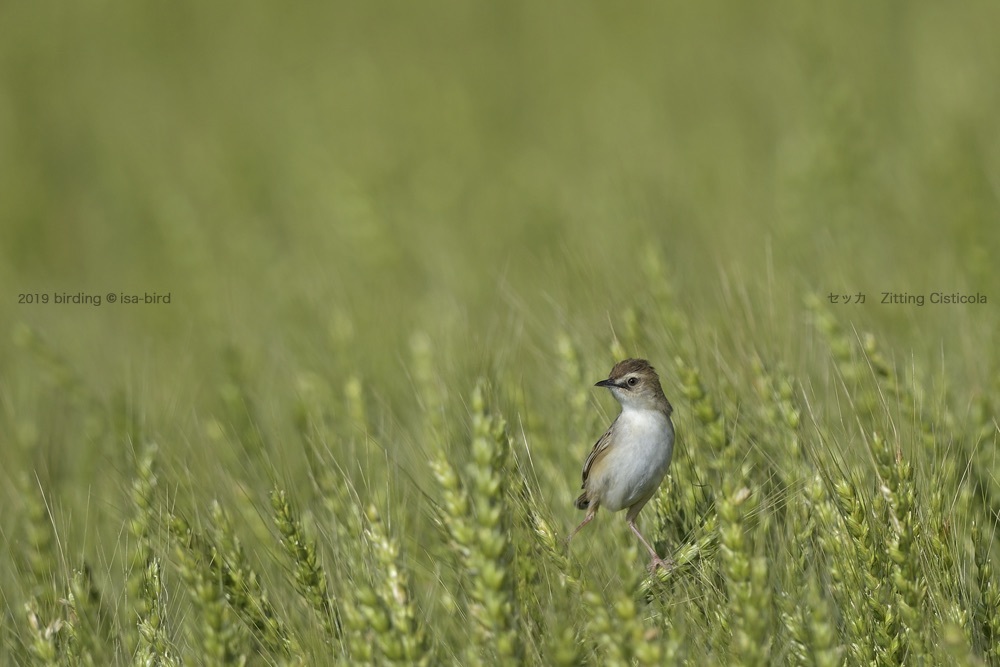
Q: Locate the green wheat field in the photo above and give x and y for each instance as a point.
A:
(303, 306)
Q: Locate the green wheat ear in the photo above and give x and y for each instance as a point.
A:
(476, 518)
(389, 607)
(746, 576)
(45, 636)
(431, 388)
(153, 649)
(903, 542)
(309, 577)
(244, 589)
(89, 618)
(712, 425)
(141, 525)
(619, 627)
(213, 626)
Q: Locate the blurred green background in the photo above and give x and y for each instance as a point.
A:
(269, 165)
(315, 184)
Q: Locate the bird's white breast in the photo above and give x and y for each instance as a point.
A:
(637, 461)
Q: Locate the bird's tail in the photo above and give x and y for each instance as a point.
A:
(583, 502)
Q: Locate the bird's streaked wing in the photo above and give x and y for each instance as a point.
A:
(600, 449)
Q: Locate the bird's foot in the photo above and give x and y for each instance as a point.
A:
(667, 564)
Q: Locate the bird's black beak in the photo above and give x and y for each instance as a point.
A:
(606, 383)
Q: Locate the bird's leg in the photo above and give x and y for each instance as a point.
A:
(657, 561)
(591, 511)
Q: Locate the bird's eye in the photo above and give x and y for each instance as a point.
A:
(633, 381)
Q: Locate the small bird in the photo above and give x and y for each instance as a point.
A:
(628, 463)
